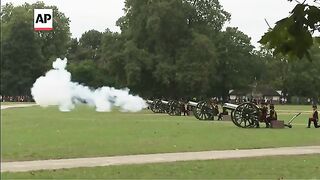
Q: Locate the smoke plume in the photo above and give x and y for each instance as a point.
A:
(56, 88)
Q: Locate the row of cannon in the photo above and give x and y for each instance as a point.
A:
(245, 115)
(202, 110)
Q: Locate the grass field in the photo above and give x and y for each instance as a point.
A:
(14, 103)
(284, 167)
(36, 133)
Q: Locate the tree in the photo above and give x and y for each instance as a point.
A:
(27, 54)
(292, 35)
(303, 76)
(87, 48)
(87, 72)
(90, 43)
(293, 77)
(163, 39)
(195, 66)
(235, 65)
(22, 61)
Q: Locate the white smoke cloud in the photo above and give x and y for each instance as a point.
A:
(56, 88)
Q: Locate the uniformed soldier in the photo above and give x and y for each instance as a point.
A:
(314, 118)
(264, 113)
(224, 112)
(272, 115)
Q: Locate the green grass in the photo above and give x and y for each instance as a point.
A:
(36, 133)
(14, 103)
(277, 167)
(294, 107)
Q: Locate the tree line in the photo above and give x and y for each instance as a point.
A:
(173, 49)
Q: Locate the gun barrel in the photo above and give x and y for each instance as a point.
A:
(164, 102)
(192, 103)
(149, 101)
(230, 106)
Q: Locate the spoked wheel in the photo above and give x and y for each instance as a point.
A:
(151, 106)
(203, 111)
(156, 107)
(165, 108)
(246, 115)
(174, 108)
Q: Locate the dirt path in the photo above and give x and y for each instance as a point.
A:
(153, 158)
(17, 106)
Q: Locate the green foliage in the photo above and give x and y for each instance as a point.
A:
(234, 63)
(88, 47)
(196, 65)
(22, 59)
(27, 54)
(86, 72)
(166, 48)
(295, 77)
(292, 36)
(303, 77)
(171, 47)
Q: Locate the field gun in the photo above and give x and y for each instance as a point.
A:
(245, 115)
(248, 115)
(202, 110)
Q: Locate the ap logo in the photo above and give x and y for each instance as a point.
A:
(43, 19)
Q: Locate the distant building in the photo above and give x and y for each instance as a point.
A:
(258, 93)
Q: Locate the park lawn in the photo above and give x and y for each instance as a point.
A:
(294, 107)
(14, 103)
(35, 133)
(275, 167)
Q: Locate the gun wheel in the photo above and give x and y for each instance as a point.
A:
(203, 111)
(246, 115)
(174, 108)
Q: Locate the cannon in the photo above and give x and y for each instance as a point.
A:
(172, 107)
(247, 115)
(202, 110)
(156, 106)
(151, 105)
(160, 106)
(175, 108)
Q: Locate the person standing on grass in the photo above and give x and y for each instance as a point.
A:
(314, 118)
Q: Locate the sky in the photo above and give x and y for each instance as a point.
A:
(248, 15)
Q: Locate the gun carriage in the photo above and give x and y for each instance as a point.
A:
(245, 115)
(248, 115)
(202, 110)
(171, 107)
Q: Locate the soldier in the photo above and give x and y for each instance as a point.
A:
(185, 108)
(272, 115)
(314, 117)
(211, 104)
(263, 116)
(224, 112)
(216, 110)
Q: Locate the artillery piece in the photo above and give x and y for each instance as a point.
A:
(247, 115)
(171, 107)
(202, 110)
(151, 105)
(159, 106)
(175, 108)
(155, 106)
